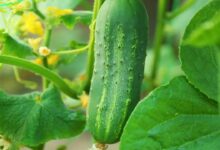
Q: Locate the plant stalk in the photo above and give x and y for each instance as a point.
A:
(48, 74)
(90, 61)
(74, 51)
(158, 38)
(37, 11)
(48, 33)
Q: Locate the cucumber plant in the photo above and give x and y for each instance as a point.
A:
(94, 86)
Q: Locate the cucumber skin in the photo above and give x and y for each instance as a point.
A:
(120, 49)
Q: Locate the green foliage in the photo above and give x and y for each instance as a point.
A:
(179, 23)
(35, 118)
(201, 67)
(71, 20)
(169, 65)
(209, 27)
(174, 116)
(201, 63)
(14, 47)
(184, 114)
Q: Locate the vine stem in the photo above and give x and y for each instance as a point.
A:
(178, 11)
(37, 11)
(158, 37)
(90, 61)
(28, 84)
(45, 59)
(47, 37)
(48, 74)
(74, 51)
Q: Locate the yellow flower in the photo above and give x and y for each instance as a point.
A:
(44, 51)
(34, 43)
(30, 23)
(84, 98)
(38, 61)
(53, 59)
(56, 12)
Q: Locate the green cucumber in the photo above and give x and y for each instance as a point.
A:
(120, 49)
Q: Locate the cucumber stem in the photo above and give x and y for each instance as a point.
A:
(101, 146)
(90, 61)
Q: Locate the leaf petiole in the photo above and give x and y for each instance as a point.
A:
(26, 83)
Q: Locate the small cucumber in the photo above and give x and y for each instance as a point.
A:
(120, 49)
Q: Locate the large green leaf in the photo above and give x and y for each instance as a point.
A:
(201, 63)
(14, 47)
(35, 118)
(172, 117)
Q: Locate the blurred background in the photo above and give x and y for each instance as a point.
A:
(169, 64)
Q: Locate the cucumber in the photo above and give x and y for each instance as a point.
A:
(121, 37)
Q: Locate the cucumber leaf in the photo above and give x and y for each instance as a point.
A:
(175, 116)
(201, 64)
(33, 119)
(208, 32)
(14, 47)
